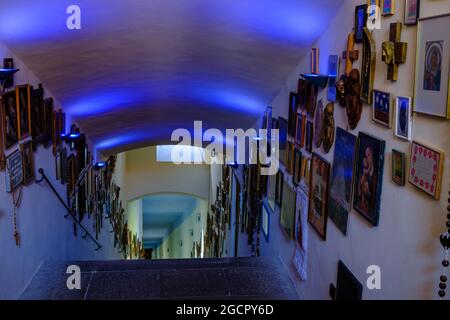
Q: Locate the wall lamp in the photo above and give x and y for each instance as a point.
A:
(72, 137)
(99, 165)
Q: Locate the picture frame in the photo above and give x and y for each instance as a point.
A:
(290, 158)
(309, 136)
(300, 129)
(301, 217)
(279, 189)
(388, 8)
(426, 169)
(14, 171)
(48, 122)
(63, 165)
(360, 22)
(58, 165)
(296, 175)
(348, 287)
(382, 109)
(305, 177)
(287, 210)
(292, 116)
(37, 112)
(27, 162)
(265, 221)
(431, 88)
(318, 195)
(315, 61)
(412, 11)
(398, 167)
(333, 76)
(342, 179)
(318, 123)
(10, 119)
(8, 63)
(23, 109)
(368, 177)
(2, 142)
(403, 118)
(272, 191)
(283, 128)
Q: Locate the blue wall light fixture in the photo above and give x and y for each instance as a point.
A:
(5, 74)
(72, 137)
(316, 79)
(99, 165)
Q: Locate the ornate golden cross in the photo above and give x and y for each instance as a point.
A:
(350, 55)
(394, 51)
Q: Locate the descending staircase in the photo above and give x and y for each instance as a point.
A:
(230, 278)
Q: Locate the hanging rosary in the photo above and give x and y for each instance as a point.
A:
(445, 241)
(16, 204)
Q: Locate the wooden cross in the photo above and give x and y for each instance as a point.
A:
(394, 51)
(350, 55)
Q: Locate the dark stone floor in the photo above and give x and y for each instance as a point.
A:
(218, 279)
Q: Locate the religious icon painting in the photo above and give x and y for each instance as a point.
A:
(37, 112)
(382, 111)
(333, 75)
(296, 175)
(14, 171)
(23, 109)
(309, 136)
(328, 128)
(403, 118)
(318, 195)
(360, 22)
(287, 212)
(398, 167)
(369, 177)
(318, 122)
(426, 168)
(10, 119)
(388, 7)
(432, 95)
(27, 162)
(412, 8)
(341, 184)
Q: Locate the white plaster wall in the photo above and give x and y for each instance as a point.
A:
(45, 234)
(405, 244)
(144, 176)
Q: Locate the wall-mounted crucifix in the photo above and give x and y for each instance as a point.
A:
(350, 54)
(394, 51)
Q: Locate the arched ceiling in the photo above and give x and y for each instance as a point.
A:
(139, 69)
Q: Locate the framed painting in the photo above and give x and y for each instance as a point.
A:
(412, 10)
(37, 112)
(282, 127)
(10, 119)
(333, 75)
(315, 61)
(58, 165)
(265, 221)
(48, 122)
(431, 93)
(309, 136)
(279, 188)
(302, 93)
(388, 8)
(318, 195)
(311, 98)
(341, 183)
(300, 129)
(287, 212)
(360, 22)
(292, 114)
(382, 111)
(403, 118)
(8, 63)
(348, 287)
(23, 109)
(290, 158)
(27, 162)
(63, 165)
(369, 177)
(271, 191)
(296, 175)
(14, 171)
(398, 167)
(426, 169)
(301, 218)
(305, 176)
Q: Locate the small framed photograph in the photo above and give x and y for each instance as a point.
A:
(426, 169)
(360, 22)
(388, 8)
(300, 129)
(279, 188)
(10, 119)
(412, 10)
(296, 176)
(27, 162)
(58, 165)
(14, 171)
(287, 210)
(382, 111)
(403, 118)
(309, 136)
(431, 93)
(23, 103)
(398, 167)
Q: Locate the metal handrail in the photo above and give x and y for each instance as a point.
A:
(69, 211)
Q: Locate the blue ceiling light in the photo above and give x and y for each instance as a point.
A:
(316, 79)
(72, 137)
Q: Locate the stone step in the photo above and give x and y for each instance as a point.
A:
(230, 279)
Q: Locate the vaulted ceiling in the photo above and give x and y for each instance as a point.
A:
(139, 69)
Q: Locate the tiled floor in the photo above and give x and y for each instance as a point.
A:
(242, 278)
